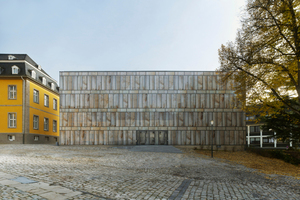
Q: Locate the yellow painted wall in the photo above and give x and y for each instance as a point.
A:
(42, 111)
(4, 101)
(4, 110)
(4, 82)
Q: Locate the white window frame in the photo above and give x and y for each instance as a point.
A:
(52, 86)
(46, 124)
(11, 57)
(12, 92)
(54, 104)
(36, 96)
(36, 122)
(12, 120)
(11, 137)
(33, 74)
(44, 81)
(54, 126)
(46, 100)
(15, 69)
(36, 138)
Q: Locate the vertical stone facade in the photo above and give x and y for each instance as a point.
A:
(127, 108)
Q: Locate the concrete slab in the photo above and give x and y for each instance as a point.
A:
(24, 187)
(9, 182)
(60, 190)
(6, 176)
(40, 185)
(72, 194)
(52, 196)
(38, 191)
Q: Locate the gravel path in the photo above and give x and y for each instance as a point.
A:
(103, 172)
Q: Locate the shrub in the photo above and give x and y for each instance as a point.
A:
(288, 156)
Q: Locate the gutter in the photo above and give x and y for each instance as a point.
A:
(23, 110)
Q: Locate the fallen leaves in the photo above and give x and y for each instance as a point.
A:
(254, 161)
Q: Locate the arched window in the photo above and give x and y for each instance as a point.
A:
(15, 69)
(33, 74)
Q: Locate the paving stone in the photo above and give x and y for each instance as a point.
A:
(102, 172)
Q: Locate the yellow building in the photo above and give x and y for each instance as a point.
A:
(29, 102)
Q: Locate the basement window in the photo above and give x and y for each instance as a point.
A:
(11, 138)
(36, 138)
(47, 138)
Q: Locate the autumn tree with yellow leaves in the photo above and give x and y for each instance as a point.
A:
(265, 57)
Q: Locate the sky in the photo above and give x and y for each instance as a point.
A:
(119, 35)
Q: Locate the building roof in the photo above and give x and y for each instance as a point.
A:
(26, 65)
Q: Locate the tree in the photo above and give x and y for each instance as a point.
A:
(284, 122)
(265, 58)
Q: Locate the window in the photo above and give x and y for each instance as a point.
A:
(54, 104)
(254, 140)
(36, 96)
(254, 129)
(44, 81)
(11, 137)
(33, 74)
(1, 70)
(14, 69)
(52, 86)
(250, 118)
(35, 122)
(11, 57)
(12, 120)
(54, 126)
(46, 100)
(12, 92)
(46, 124)
(36, 138)
(47, 138)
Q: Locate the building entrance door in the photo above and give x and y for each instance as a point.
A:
(142, 139)
(152, 137)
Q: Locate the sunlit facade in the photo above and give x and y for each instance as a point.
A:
(29, 100)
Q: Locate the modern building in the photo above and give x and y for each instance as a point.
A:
(29, 102)
(257, 137)
(150, 107)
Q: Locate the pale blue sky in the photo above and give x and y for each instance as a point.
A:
(112, 35)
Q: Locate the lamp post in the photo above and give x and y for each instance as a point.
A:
(212, 147)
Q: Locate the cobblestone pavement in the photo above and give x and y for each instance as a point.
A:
(102, 172)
